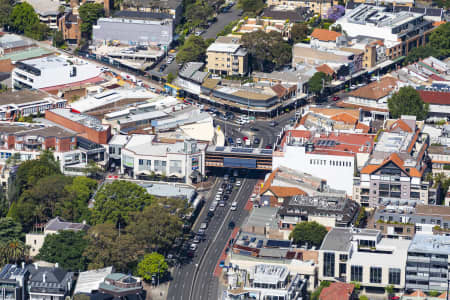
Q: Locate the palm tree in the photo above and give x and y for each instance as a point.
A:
(16, 250)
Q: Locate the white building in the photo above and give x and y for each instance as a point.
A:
(54, 72)
(334, 157)
(144, 155)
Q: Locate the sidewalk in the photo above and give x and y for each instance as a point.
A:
(157, 293)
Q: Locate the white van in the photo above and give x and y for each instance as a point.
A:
(234, 205)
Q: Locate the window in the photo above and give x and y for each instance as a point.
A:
(175, 166)
(394, 276)
(375, 275)
(112, 150)
(343, 257)
(328, 264)
(356, 273)
(141, 162)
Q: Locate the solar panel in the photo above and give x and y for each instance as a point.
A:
(266, 151)
(242, 150)
(279, 244)
(220, 148)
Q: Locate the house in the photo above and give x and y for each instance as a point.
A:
(338, 291)
(324, 38)
(36, 240)
(13, 282)
(119, 286)
(226, 56)
(438, 101)
(46, 283)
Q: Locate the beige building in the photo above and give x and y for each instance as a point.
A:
(36, 240)
(226, 56)
(315, 6)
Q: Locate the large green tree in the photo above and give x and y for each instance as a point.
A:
(419, 53)
(299, 32)
(10, 230)
(89, 14)
(198, 13)
(407, 101)
(317, 82)
(6, 7)
(115, 202)
(108, 246)
(308, 232)
(38, 31)
(267, 51)
(13, 251)
(193, 49)
(65, 248)
(251, 7)
(440, 39)
(153, 264)
(22, 17)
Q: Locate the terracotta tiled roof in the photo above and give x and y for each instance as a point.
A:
(433, 97)
(363, 107)
(438, 23)
(325, 69)
(402, 125)
(325, 35)
(344, 117)
(443, 296)
(279, 90)
(376, 90)
(279, 191)
(413, 172)
(337, 291)
(335, 111)
(364, 128)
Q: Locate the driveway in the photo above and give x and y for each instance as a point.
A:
(223, 19)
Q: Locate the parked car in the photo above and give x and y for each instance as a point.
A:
(256, 141)
(336, 98)
(193, 247)
(238, 183)
(222, 203)
(273, 123)
(234, 205)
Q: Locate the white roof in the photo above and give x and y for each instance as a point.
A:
(118, 139)
(396, 259)
(90, 280)
(223, 47)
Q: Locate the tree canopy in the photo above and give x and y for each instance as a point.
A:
(193, 49)
(308, 232)
(65, 248)
(407, 101)
(22, 17)
(198, 13)
(299, 32)
(38, 31)
(89, 14)
(440, 39)
(153, 264)
(420, 53)
(316, 82)
(115, 202)
(251, 7)
(6, 7)
(10, 230)
(268, 51)
(335, 12)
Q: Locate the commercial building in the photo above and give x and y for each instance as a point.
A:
(135, 28)
(89, 281)
(409, 28)
(332, 156)
(172, 7)
(363, 256)
(404, 221)
(396, 168)
(326, 210)
(144, 155)
(54, 72)
(84, 125)
(36, 240)
(226, 56)
(26, 103)
(427, 263)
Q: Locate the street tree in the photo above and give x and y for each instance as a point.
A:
(198, 13)
(22, 17)
(89, 14)
(308, 232)
(268, 51)
(65, 248)
(299, 32)
(317, 82)
(115, 202)
(152, 265)
(420, 53)
(193, 49)
(407, 101)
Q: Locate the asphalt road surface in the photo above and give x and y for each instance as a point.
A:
(223, 19)
(195, 281)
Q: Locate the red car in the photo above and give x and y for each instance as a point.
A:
(336, 98)
(245, 138)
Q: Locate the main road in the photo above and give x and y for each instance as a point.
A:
(196, 280)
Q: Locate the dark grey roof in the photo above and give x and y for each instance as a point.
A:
(56, 224)
(56, 279)
(338, 239)
(296, 15)
(9, 273)
(432, 12)
(140, 15)
(152, 3)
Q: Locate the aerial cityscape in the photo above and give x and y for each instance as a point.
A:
(224, 149)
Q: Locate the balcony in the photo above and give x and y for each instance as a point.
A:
(419, 259)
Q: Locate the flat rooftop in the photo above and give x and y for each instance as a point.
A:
(24, 96)
(52, 62)
(394, 142)
(426, 243)
(239, 150)
(83, 119)
(223, 47)
(169, 190)
(269, 274)
(398, 251)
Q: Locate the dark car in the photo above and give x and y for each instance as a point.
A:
(226, 197)
(256, 141)
(230, 186)
(268, 146)
(336, 98)
(162, 68)
(231, 225)
(228, 191)
(224, 185)
(254, 129)
(232, 179)
(210, 214)
(230, 140)
(273, 123)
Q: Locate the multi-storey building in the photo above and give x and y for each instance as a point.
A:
(427, 267)
(69, 24)
(363, 256)
(13, 282)
(47, 11)
(226, 56)
(315, 6)
(334, 157)
(172, 7)
(407, 27)
(47, 283)
(396, 167)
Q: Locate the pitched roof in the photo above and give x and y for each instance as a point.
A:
(279, 90)
(280, 191)
(337, 291)
(344, 117)
(325, 69)
(402, 125)
(377, 89)
(417, 293)
(335, 111)
(434, 97)
(394, 158)
(325, 35)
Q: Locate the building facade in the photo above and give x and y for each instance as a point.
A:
(227, 57)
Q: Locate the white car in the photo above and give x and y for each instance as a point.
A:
(238, 141)
(219, 192)
(238, 183)
(193, 247)
(234, 205)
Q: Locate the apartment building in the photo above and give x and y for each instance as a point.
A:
(174, 8)
(407, 27)
(314, 6)
(332, 156)
(26, 103)
(404, 221)
(144, 155)
(226, 56)
(427, 263)
(363, 256)
(51, 73)
(397, 167)
(47, 10)
(69, 24)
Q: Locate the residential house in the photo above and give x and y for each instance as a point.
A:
(338, 290)
(13, 282)
(47, 283)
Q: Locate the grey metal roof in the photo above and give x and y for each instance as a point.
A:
(56, 224)
(338, 239)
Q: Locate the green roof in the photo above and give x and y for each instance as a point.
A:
(115, 276)
(428, 67)
(26, 54)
